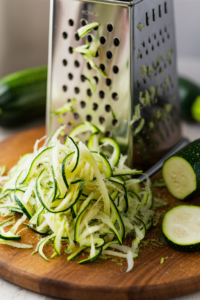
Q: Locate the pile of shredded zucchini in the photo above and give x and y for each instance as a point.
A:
(77, 197)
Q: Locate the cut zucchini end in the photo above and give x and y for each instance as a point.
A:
(181, 228)
(179, 177)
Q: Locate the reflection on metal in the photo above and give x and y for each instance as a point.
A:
(140, 65)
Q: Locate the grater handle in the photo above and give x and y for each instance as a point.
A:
(157, 167)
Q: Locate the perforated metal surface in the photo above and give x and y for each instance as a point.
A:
(123, 50)
(155, 47)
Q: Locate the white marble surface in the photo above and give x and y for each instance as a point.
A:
(9, 291)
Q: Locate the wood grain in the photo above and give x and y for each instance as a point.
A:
(179, 275)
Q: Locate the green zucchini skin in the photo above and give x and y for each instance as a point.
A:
(191, 154)
(188, 248)
(188, 92)
(23, 96)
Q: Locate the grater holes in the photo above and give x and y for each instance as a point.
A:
(64, 62)
(160, 32)
(140, 55)
(115, 96)
(64, 87)
(108, 134)
(69, 125)
(143, 44)
(108, 108)
(115, 122)
(116, 42)
(152, 47)
(109, 54)
(159, 11)
(102, 67)
(165, 29)
(165, 7)
(76, 116)
(153, 15)
(101, 120)
(144, 80)
(163, 39)
(88, 118)
(168, 36)
(89, 38)
(154, 36)
(69, 100)
(96, 79)
(71, 22)
(88, 66)
(95, 106)
(138, 84)
(70, 76)
(158, 43)
(102, 40)
(108, 81)
(109, 27)
(97, 54)
(70, 50)
(101, 94)
(96, 28)
(89, 92)
(65, 35)
(147, 52)
(77, 64)
(83, 22)
(147, 19)
(82, 104)
(76, 36)
(83, 78)
(149, 41)
(76, 90)
(115, 69)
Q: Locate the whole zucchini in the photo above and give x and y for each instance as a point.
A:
(23, 96)
(188, 93)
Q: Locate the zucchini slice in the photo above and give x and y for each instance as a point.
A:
(181, 172)
(82, 128)
(181, 228)
(114, 159)
(93, 142)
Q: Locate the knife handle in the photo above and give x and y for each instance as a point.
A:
(158, 166)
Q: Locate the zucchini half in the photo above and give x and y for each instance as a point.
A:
(181, 172)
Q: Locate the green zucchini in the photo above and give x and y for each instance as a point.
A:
(23, 96)
(181, 172)
(25, 207)
(181, 229)
(188, 92)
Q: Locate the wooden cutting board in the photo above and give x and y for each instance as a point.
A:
(104, 279)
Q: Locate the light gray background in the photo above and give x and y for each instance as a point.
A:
(24, 44)
(24, 32)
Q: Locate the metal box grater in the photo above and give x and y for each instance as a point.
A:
(137, 53)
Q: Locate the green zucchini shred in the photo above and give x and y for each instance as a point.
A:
(70, 199)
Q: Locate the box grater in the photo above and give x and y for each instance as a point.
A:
(136, 51)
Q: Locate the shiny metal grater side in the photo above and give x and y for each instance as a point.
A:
(136, 102)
